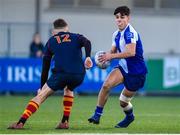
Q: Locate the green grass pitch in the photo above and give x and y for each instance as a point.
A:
(152, 115)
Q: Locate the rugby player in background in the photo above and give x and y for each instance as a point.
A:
(68, 72)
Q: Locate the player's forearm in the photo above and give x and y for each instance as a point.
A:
(122, 55)
(45, 70)
(88, 48)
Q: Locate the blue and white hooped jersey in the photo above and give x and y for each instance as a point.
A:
(132, 65)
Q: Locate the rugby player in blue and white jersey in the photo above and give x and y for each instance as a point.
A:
(131, 71)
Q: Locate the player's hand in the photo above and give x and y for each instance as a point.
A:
(105, 57)
(88, 63)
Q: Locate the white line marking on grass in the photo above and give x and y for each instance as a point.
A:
(93, 134)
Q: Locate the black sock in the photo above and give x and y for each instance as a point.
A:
(22, 120)
(65, 118)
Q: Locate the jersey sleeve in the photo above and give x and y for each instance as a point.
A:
(84, 42)
(47, 50)
(130, 37)
(46, 63)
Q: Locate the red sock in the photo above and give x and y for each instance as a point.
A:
(30, 109)
(67, 102)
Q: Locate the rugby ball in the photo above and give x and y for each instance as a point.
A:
(101, 64)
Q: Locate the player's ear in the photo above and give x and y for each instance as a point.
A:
(53, 32)
(66, 28)
(128, 17)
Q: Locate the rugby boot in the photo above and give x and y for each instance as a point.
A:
(16, 126)
(125, 122)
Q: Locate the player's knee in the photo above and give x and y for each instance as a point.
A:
(106, 86)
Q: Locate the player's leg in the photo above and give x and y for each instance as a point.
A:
(132, 84)
(32, 106)
(73, 81)
(67, 106)
(113, 79)
(125, 98)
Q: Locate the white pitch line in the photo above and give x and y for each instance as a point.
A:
(92, 134)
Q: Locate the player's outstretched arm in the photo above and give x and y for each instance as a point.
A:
(87, 45)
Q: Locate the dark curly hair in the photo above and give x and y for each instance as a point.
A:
(123, 10)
